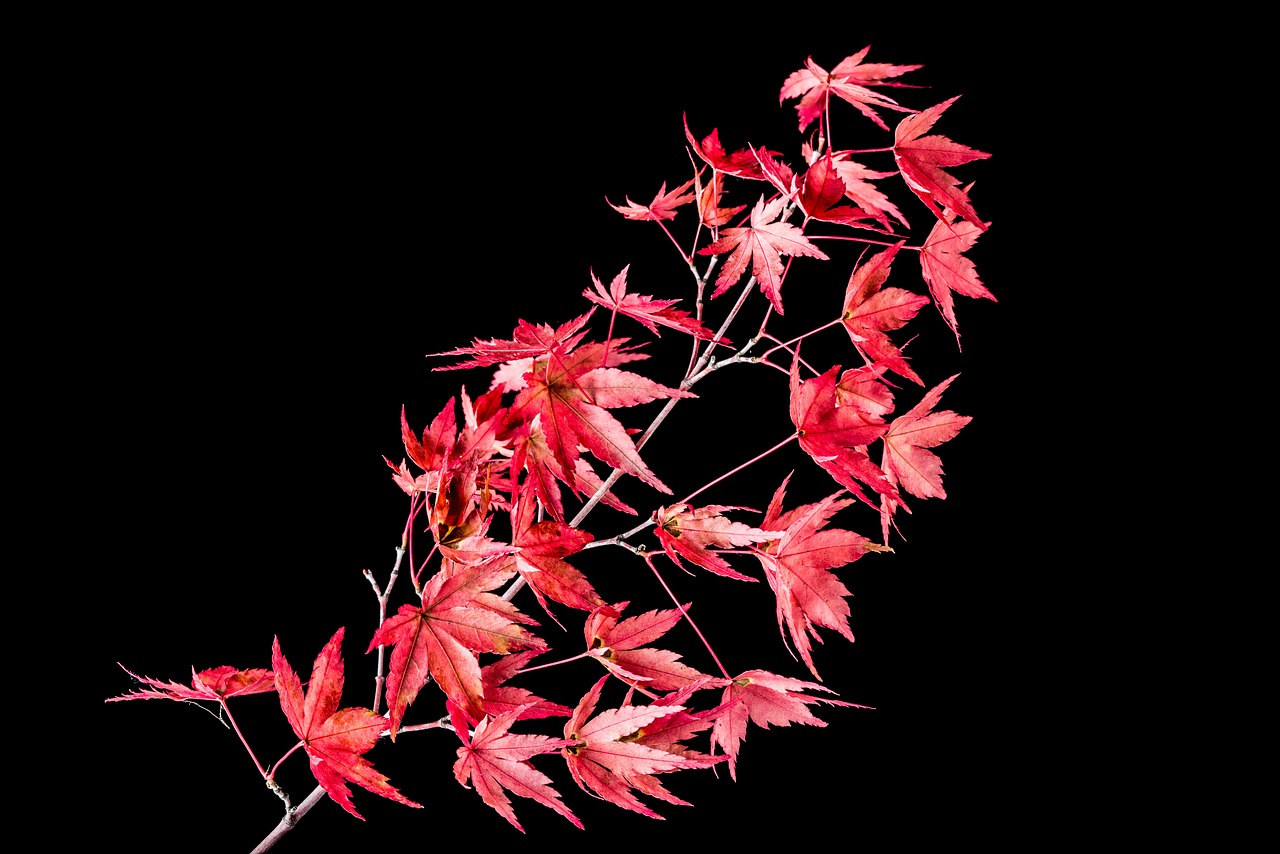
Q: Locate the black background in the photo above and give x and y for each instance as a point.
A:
(280, 222)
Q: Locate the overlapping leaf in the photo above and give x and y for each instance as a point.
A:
(458, 618)
(530, 451)
(709, 197)
(823, 196)
(500, 697)
(573, 392)
(859, 189)
(541, 547)
(836, 436)
(528, 341)
(620, 645)
(759, 247)
(741, 163)
(607, 758)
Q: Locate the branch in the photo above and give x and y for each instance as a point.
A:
(290, 819)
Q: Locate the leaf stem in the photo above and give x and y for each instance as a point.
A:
(236, 727)
(685, 614)
(727, 474)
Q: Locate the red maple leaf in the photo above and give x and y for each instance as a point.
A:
(650, 312)
(907, 459)
(945, 269)
(217, 683)
(765, 699)
(572, 391)
(531, 452)
(780, 175)
(444, 447)
(798, 564)
(607, 759)
(836, 436)
(662, 207)
(865, 389)
(499, 697)
(528, 341)
(923, 161)
(493, 760)
(620, 646)
(742, 163)
(858, 187)
(822, 195)
(850, 80)
(540, 549)
(458, 618)
(334, 739)
(713, 216)
(459, 515)
(760, 246)
(431, 452)
(695, 531)
(669, 733)
(871, 311)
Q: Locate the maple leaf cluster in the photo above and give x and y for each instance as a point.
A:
(500, 484)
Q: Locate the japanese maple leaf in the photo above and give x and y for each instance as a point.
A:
(907, 459)
(606, 759)
(872, 310)
(662, 207)
(650, 312)
(823, 195)
(765, 699)
(945, 269)
(780, 175)
(923, 161)
(572, 392)
(528, 341)
(531, 452)
(334, 739)
(709, 196)
(859, 189)
(760, 246)
(217, 684)
(671, 732)
(836, 436)
(865, 389)
(493, 760)
(541, 547)
(798, 564)
(693, 532)
(458, 618)
(499, 697)
(850, 80)
(459, 516)
(431, 452)
(620, 646)
(742, 163)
